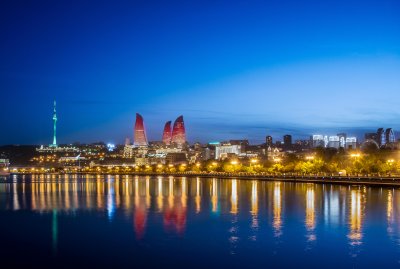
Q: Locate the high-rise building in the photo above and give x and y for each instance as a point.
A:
(178, 132)
(268, 141)
(166, 138)
(351, 142)
(318, 141)
(381, 137)
(287, 142)
(326, 141)
(333, 141)
(389, 136)
(140, 138)
(342, 139)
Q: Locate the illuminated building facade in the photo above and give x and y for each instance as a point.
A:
(389, 135)
(334, 141)
(318, 141)
(223, 151)
(381, 137)
(166, 138)
(178, 132)
(326, 141)
(140, 138)
(342, 140)
(351, 143)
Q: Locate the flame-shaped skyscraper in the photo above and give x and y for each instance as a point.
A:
(140, 138)
(166, 138)
(178, 132)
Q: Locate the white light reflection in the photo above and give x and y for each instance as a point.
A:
(198, 196)
(214, 196)
(277, 221)
(355, 221)
(254, 209)
(310, 213)
(110, 199)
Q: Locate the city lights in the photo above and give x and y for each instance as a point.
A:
(200, 134)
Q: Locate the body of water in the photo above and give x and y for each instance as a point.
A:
(113, 221)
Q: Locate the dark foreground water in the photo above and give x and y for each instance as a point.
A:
(166, 222)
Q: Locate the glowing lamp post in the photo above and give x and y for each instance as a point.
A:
(198, 167)
(182, 167)
(234, 163)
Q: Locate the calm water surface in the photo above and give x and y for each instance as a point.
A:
(171, 222)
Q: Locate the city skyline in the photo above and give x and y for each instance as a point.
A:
(241, 70)
(136, 133)
(177, 134)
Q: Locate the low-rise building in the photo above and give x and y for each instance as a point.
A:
(222, 151)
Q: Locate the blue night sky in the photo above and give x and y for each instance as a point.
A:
(234, 69)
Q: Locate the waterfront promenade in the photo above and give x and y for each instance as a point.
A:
(374, 180)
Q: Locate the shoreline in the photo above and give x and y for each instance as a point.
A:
(340, 180)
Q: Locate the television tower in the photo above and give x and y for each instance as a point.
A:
(55, 125)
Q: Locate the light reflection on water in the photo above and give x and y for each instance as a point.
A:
(246, 210)
(310, 213)
(277, 222)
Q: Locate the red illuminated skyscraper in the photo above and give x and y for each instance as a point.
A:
(178, 132)
(166, 138)
(140, 138)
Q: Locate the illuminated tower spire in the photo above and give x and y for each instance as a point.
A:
(55, 125)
